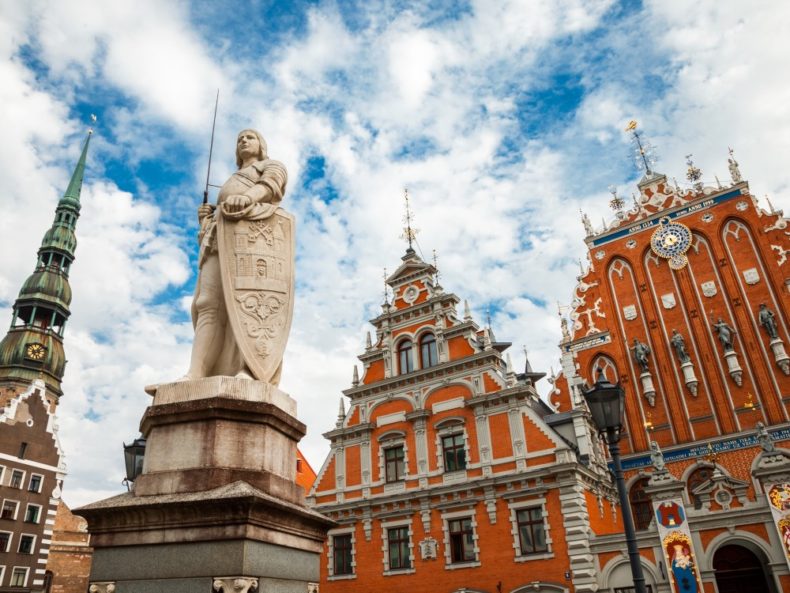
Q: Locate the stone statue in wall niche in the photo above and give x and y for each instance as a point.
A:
(641, 352)
(243, 301)
(679, 344)
(724, 332)
(767, 319)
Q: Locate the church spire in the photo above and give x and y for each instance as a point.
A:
(33, 346)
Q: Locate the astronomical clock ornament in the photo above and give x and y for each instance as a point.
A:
(671, 241)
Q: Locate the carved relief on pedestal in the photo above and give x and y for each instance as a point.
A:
(235, 584)
(103, 587)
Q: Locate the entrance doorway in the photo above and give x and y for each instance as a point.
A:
(739, 570)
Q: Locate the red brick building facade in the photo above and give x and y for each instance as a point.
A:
(699, 347)
(448, 472)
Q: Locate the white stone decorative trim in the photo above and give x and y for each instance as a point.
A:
(390, 418)
(448, 404)
(385, 527)
(102, 587)
(395, 439)
(330, 556)
(235, 584)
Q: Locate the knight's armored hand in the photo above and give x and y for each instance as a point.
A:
(237, 202)
(205, 210)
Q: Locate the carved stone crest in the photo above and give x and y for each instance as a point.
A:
(629, 312)
(428, 549)
(751, 276)
(258, 280)
(668, 300)
(235, 584)
(709, 288)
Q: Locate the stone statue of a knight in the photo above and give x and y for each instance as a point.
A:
(243, 301)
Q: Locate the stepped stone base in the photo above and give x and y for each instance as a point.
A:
(217, 500)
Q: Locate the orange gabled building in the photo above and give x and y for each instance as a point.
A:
(447, 472)
(698, 343)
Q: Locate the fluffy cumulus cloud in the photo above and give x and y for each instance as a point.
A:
(502, 118)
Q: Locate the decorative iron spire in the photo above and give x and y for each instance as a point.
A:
(409, 233)
(645, 151)
(33, 347)
(693, 174)
(616, 203)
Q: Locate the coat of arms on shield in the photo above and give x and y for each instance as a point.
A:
(257, 261)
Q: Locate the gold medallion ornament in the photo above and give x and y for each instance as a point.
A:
(35, 352)
(671, 240)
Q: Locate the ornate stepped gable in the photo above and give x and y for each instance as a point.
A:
(442, 434)
(685, 303)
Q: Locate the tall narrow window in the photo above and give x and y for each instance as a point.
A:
(32, 513)
(398, 543)
(405, 361)
(19, 577)
(531, 531)
(9, 509)
(641, 507)
(35, 483)
(22, 450)
(342, 554)
(394, 464)
(428, 354)
(5, 539)
(453, 452)
(16, 478)
(462, 541)
(26, 543)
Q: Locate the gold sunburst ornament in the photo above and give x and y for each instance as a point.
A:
(671, 240)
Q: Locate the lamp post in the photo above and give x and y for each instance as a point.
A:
(607, 404)
(133, 455)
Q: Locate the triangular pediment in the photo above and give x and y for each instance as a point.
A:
(412, 267)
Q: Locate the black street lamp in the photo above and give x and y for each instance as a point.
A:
(607, 404)
(133, 455)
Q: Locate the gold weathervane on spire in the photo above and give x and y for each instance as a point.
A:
(409, 233)
(93, 123)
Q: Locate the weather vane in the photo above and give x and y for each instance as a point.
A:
(386, 289)
(645, 152)
(93, 123)
(409, 233)
(435, 267)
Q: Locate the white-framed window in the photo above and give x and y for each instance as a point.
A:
(19, 576)
(17, 478)
(341, 559)
(5, 541)
(2, 476)
(9, 509)
(33, 513)
(27, 543)
(2, 574)
(397, 546)
(452, 447)
(461, 549)
(530, 529)
(393, 460)
(36, 483)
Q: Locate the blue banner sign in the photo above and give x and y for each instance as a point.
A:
(703, 450)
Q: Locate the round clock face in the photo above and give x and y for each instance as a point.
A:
(36, 351)
(670, 241)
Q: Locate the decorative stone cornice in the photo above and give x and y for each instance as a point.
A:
(235, 584)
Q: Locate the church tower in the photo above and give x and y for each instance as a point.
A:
(32, 362)
(33, 346)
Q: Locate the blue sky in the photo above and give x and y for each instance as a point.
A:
(503, 118)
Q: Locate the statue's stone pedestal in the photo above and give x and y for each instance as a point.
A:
(217, 499)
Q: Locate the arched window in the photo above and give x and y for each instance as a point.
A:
(608, 367)
(641, 508)
(428, 355)
(698, 477)
(405, 360)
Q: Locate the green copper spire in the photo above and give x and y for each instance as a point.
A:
(72, 195)
(33, 346)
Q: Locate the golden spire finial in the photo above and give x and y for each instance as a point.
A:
(409, 233)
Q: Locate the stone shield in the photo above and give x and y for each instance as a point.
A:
(257, 265)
